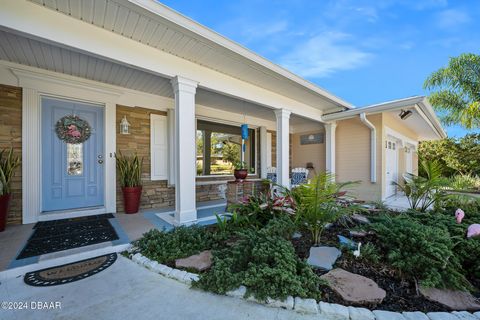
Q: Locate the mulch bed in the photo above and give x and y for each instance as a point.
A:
(401, 294)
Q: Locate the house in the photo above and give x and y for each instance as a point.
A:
(175, 82)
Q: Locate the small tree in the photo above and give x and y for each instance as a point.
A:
(457, 91)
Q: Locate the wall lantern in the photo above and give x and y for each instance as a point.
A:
(124, 125)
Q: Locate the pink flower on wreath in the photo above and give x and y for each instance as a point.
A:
(459, 215)
(73, 132)
(473, 230)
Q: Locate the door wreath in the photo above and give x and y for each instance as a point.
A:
(73, 129)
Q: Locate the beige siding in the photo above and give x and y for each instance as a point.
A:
(301, 154)
(353, 156)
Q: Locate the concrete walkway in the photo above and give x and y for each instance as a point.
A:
(128, 291)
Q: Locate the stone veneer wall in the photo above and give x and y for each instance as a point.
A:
(155, 194)
(11, 136)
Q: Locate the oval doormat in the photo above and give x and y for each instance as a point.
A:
(69, 272)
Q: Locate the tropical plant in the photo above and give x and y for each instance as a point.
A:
(423, 192)
(8, 163)
(464, 182)
(317, 203)
(239, 165)
(456, 155)
(458, 91)
(258, 210)
(130, 170)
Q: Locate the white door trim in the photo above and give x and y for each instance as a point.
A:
(34, 85)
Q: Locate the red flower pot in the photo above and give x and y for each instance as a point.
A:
(131, 198)
(240, 174)
(4, 201)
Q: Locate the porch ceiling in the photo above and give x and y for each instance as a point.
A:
(19, 49)
(173, 33)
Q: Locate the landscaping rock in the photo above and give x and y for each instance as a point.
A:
(237, 293)
(441, 316)
(360, 218)
(323, 257)
(387, 315)
(333, 311)
(477, 314)
(454, 300)
(296, 235)
(285, 304)
(137, 257)
(360, 314)
(166, 270)
(306, 305)
(358, 234)
(151, 264)
(464, 315)
(417, 315)
(200, 262)
(354, 288)
(348, 243)
(189, 277)
(177, 274)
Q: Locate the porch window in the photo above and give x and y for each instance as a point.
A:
(219, 147)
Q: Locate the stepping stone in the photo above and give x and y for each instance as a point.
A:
(323, 257)
(354, 288)
(360, 218)
(453, 300)
(358, 234)
(200, 262)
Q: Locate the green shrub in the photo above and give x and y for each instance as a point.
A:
(464, 182)
(466, 250)
(178, 243)
(424, 253)
(266, 264)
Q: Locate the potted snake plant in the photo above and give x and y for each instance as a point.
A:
(8, 164)
(130, 172)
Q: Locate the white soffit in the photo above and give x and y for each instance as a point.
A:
(18, 49)
(164, 32)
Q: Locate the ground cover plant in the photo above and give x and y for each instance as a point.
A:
(401, 252)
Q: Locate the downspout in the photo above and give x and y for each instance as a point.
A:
(373, 146)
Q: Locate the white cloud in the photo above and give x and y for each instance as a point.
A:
(452, 18)
(323, 55)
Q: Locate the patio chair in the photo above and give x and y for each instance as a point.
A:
(272, 174)
(299, 176)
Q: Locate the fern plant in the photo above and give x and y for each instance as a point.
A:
(8, 163)
(130, 170)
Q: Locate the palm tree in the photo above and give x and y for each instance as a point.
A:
(457, 91)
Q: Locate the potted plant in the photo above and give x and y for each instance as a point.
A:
(240, 170)
(130, 170)
(8, 164)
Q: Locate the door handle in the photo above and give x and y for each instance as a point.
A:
(100, 161)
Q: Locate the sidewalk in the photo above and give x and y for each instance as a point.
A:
(128, 291)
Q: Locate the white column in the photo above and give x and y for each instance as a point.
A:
(283, 147)
(31, 153)
(263, 152)
(185, 173)
(172, 163)
(330, 146)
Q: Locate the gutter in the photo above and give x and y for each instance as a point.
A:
(373, 147)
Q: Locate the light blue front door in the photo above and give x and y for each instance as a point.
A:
(72, 174)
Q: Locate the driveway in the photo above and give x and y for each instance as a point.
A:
(128, 291)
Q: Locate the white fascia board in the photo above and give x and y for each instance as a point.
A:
(432, 117)
(39, 22)
(177, 18)
(377, 108)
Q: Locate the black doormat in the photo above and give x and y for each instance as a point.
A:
(64, 234)
(69, 272)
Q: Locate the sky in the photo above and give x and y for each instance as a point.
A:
(365, 52)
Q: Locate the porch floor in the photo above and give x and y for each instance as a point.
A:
(129, 227)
